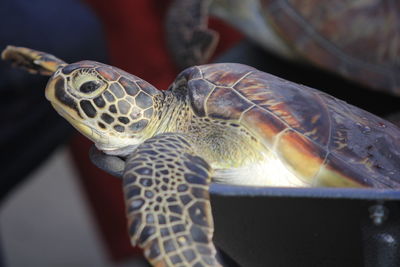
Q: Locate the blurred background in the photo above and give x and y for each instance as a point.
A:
(59, 210)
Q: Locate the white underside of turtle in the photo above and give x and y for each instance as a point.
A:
(269, 172)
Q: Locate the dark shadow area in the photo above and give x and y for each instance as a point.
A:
(306, 227)
(30, 129)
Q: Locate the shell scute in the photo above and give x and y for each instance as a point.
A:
(198, 92)
(291, 103)
(300, 154)
(108, 73)
(148, 88)
(226, 103)
(357, 137)
(226, 75)
(131, 88)
(264, 125)
(336, 172)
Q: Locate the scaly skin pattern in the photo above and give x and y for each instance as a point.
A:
(169, 214)
(218, 121)
(117, 107)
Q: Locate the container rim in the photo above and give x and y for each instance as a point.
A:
(284, 192)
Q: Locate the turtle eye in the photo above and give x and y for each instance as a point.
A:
(87, 83)
(89, 87)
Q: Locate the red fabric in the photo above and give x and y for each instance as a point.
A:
(135, 38)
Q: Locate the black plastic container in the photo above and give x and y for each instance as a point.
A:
(307, 227)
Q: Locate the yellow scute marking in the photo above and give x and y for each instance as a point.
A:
(315, 118)
(303, 157)
(263, 124)
(331, 178)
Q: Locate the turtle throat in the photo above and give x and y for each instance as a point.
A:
(173, 115)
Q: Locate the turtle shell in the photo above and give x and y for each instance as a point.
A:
(357, 39)
(320, 138)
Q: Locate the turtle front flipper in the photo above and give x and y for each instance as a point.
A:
(113, 165)
(167, 200)
(189, 39)
(33, 61)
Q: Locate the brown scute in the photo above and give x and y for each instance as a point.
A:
(280, 109)
(369, 142)
(130, 87)
(198, 91)
(225, 103)
(264, 124)
(148, 88)
(108, 73)
(322, 124)
(360, 174)
(294, 104)
(254, 86)
(300, 154)
(225, 74)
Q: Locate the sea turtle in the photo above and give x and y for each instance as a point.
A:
(228, 123)
(358, 39)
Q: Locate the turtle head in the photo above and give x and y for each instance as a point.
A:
(109, 106)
